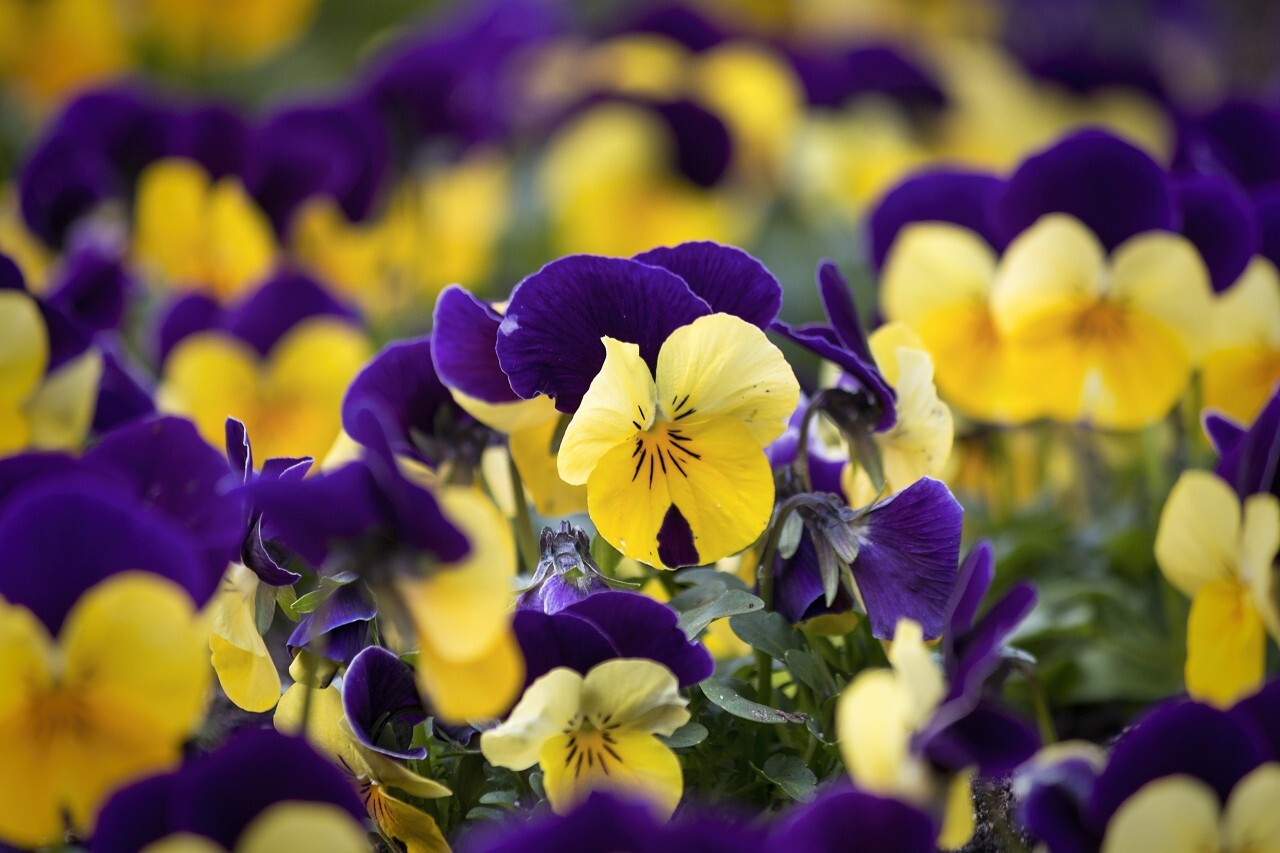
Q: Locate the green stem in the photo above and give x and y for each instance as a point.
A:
(526, 541)
(764, 578)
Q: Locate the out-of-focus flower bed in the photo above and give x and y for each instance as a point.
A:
(528, 425)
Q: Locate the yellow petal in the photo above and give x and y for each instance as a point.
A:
(1199, 528)
(1259, 542)
(184, 842)
(322, 713)
(722, 367)
(462, 608)
(24, 347)
(932, 267)
(208, 377)
(917, 673)
(724, 494)
(1053, 267)
(509, 417)
(303, 826)
(1251, 820)
(30, 808)
(958, 820)
(393, 774)
(240, 658)
(240, 242)
(548, 707)
(1242, 362)
(477, 689)
(136, 659)
(61, 412)
(873, 720)
(637, 694)
(628, 761)
(1226, 645)
(531, 451)
(619, 403)
(401, 822)
(1177, 814)
(1161, 276)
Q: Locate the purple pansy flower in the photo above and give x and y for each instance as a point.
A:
(964, 198)
(255, 552)
(1249, 459)
(831, 822)
(381, 702)
(566, 572)
(217, 796)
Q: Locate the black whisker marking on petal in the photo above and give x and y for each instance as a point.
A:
(639, 444)
(685, 414)
(616, 757)
(577, 770)
(641, 411)
(639, 462)
(684, 449)
(680, 405)
(636, 424)
(663, 461)
(676, 435)
(679, 467)
(651, 470)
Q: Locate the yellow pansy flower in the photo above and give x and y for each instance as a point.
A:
(1219, 553)
(112, 699)
(1110, 341)
(200, 235)
(290, 402)
(52, 412)
(596, 732)
(674, 464)
(1242, 361)
(240, 658)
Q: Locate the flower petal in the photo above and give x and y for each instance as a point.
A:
(960, 199)
(1178, 814)
(240, 658)
(381, 702)
(476, 689)
(1198, 533)
(1251, 820)
(546, 709)
(24, 347)
(634, 693)
(727, 279)
(464, 340)
(632, 762)
(620, 403)
(1226, 644)
(310, 826)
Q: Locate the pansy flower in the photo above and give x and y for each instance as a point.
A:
(104, 657)
(365, 729)
(1218, 549)
(259, 791)
(1249, 459)
(880, 823)
(597, 732)
(279, 362)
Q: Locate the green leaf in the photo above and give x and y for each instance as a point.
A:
(605, 555)
(735, 703)
(769, 632)
(486, 813)
(285, 597)
(690, 734)
(792, 775)
(808, 671)
(264, 607)
(729, 602)
(307, 603)
(507, 799)
(715, 577)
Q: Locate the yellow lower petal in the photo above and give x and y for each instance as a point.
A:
(1251, 820)
(208, 377)
(30, 805)
(531, 451)
(549, 705)
(873, 720)
(401, 822)
(1226, 644)
(629, 762)
(1176, 814)
(240, 658)
(476, 689)
(303, 826)
(958, 820)
(24, 347)
(1240, 380)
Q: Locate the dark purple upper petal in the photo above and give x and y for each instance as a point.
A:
(310, 516)
(380, 697)
(549, 640)
(602, 824)
(938, 195)
(908, 549)
(339, 150)
(212, 135)
(843, 819)
(1219, 220)
(90, 289)
(727, 278)
(639, 627)
(347, 604)
(165, 464)
(1267, 212)
(832, 78)
(1052, 797)
(987, 737)
(218, 795)
(1262, 712)
(60, 183)
(185, 316)
(1251, 462)
(821, 342)
(679, 23)
(464, 346)
(549, 341)
(401, 384)
(1114, 188)
(124, 391)
(285, 300)
(974, 655)
(703, 146)
(972, 582)
(62, 536)
(1185, 737)
(1237, 140)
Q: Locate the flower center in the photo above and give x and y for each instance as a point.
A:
(58, 712)
(592, 749)
(663, 446)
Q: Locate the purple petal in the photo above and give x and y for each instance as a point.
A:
(1052, 802)
(464, 341)
(1223, 433)
(1114, 188)
(183, 317)
(348, 604)
(972, 582)
(1267, 212)
(279, 305)
(401, 384)
(257, 557)
(1251, 463)
(987, 737)
(961, 198)
(798, 593)
(1238, 139)
(381, 701)
(1219, 220)
(727, 279)
(556, 592)
(842, 314)
(138, 815)
(212, 135)
(1185, 737)
(338, 150)
(679, 24)
(602, 824)
(908, 549)
(549, 341)
(703, 146)
(974, 656)
(124, 394)
(832, 79)
(639, 627)
(821, 343)
(239, 451)
(549, 640)
(46, 570)
(1261, 713)
(62, 182)
(38, 468)
(165, 464)
(879, 824)
(310, 516)
(90, 290)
